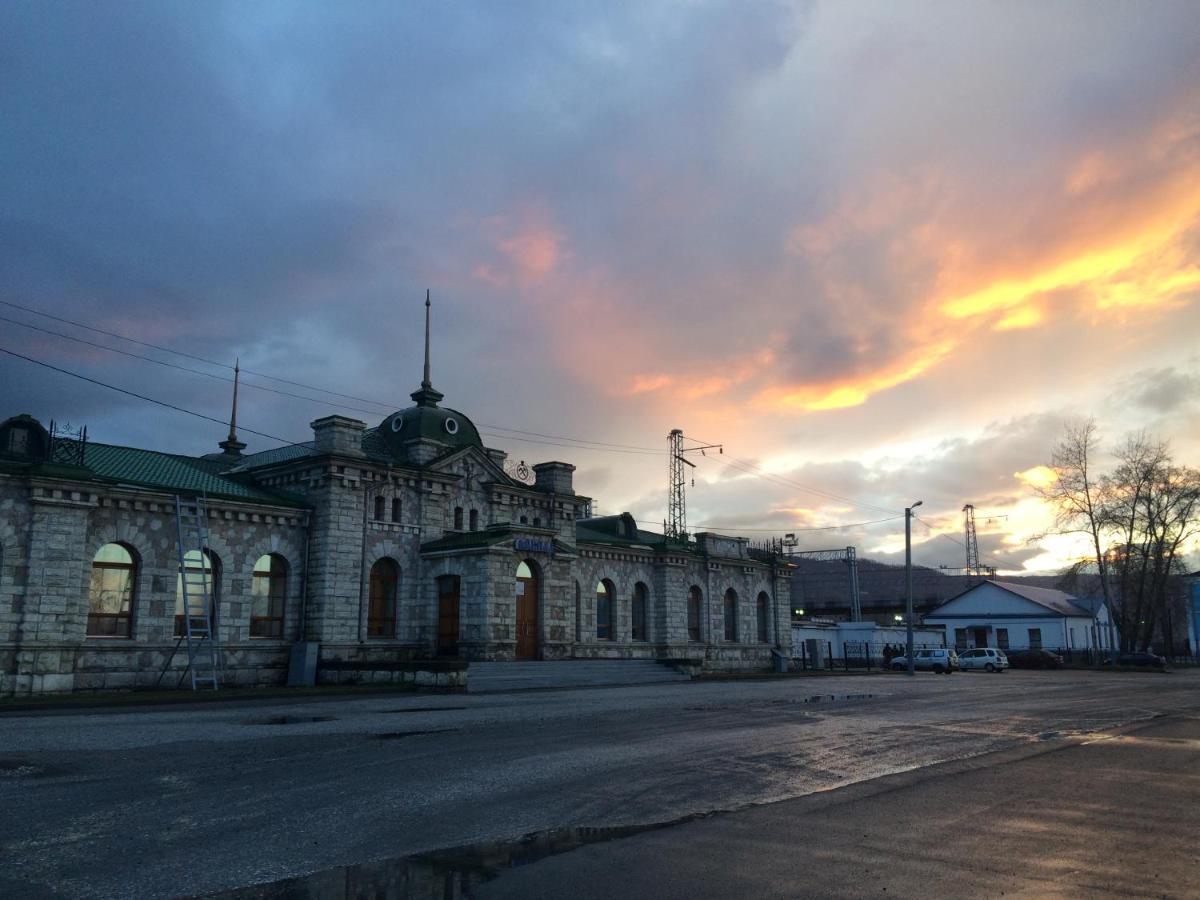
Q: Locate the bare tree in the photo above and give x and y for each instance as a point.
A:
(1151, 506)
(1076, 492)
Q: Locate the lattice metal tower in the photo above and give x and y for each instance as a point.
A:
(973, 568)
(676, 524)
(676, 502)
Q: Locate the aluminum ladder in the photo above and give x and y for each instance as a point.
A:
(199, 629)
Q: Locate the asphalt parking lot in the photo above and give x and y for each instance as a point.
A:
(203, 798)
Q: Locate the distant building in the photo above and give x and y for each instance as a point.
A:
(403, 541)
(1193, 609)
(1017, 617)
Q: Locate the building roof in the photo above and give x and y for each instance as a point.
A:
(176, 474)
(621, 530)
(1058, 602)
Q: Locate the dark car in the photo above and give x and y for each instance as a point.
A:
(1140, 658)
(1033, 659)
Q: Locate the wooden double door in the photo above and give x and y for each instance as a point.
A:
(448, 615)
(527, 612)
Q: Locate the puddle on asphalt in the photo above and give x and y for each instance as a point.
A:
(25, 768)
(394, 735)
(288, 720)
(792, 701)
(421, 709)
(451, 873)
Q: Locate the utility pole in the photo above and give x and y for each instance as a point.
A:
(908, 607)
(676, 524)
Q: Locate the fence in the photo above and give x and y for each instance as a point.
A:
(852, 656)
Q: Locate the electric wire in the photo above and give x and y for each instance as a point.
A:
(121, 390)
(387, 407)
(790, 529)
(990, 563)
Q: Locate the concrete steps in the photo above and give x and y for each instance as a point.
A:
(493, 677)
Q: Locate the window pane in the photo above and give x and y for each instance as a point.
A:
(523, 570)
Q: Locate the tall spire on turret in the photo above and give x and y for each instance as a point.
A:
(426, 396)
(231, 445)
(426, 383)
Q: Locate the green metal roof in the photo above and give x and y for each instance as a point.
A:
(176, 474)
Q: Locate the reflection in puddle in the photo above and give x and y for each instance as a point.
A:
(449, 874)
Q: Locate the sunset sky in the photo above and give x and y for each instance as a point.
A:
(880, 251)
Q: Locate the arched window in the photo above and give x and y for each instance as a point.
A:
(110, 595)
(760, 617)
(458, 518)
(202, 572)
(578, 612)
(380, 503)
(537, 522)
(474, 520)
(381, 608)
(731, 601)
(693, 613)
(268, 596)
(396, 509)
(638, 612)
(604, 594)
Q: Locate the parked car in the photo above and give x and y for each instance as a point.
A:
(989, 659)
(1034, 659)
(943, 661)
(1140, 658)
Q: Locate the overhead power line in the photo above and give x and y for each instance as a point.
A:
(505, 432)
(120, 390)
(788, 529)
(988, 562)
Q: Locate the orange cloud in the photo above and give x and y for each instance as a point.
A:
(818, 397)
(534, 251)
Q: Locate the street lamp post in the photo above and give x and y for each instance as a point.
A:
(908, 606)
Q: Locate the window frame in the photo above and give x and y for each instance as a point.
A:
(762, 616)
(638, 604)
(695, 606)
(730, 603)
(270, 626)
(604, 601)
(125, 614)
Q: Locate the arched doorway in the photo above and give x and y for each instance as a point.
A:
(448, 615)
(527, 611)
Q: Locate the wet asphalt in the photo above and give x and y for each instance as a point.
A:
(189, 800)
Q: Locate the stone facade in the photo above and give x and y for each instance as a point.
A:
(418, 496)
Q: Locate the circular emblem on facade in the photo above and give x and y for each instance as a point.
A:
(397, 423)
(523, 472)
(452, 426)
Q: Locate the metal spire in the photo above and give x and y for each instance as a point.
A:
(426, 395)
(426, 383)
(231, 445)
(237, 371)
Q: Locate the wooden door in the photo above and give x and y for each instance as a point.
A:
(527, 618)
(448, 615)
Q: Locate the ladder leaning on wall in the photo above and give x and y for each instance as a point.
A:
(199, 629)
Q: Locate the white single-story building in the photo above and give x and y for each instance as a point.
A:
(1017, 617)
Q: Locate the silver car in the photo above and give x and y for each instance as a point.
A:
(943, 661)
(989, 659)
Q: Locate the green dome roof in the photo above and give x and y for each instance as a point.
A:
(444, 426)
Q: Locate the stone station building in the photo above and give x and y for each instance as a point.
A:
(383, 545)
